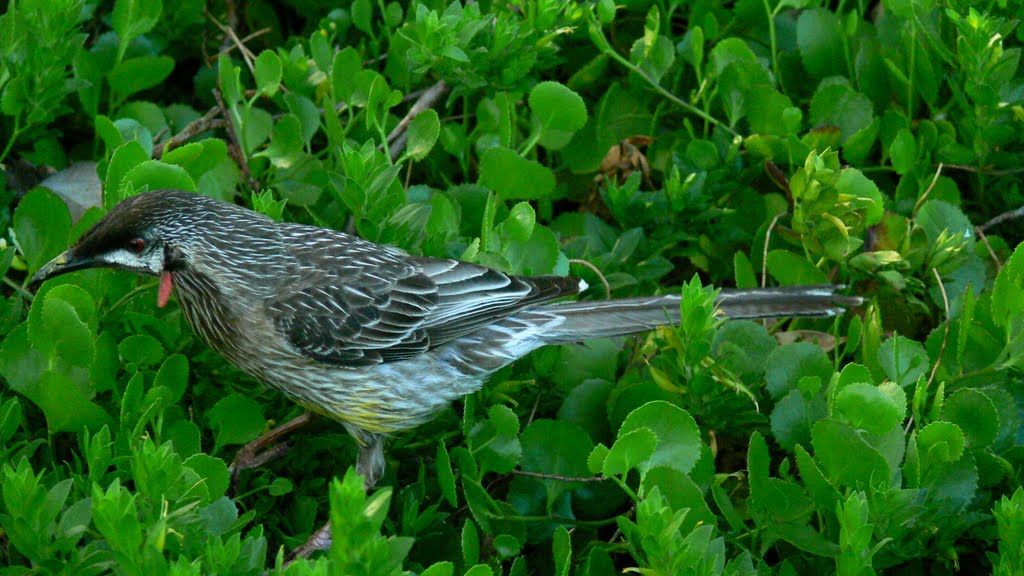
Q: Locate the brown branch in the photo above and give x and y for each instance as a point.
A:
(231, 47)
(560, 478)
(986, 171)
(234, 145)
(931, 186)
(426, 100)
(229, 35)
(991, 252)
(1008, 215)
(209, 121)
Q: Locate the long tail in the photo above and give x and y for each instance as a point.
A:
(604, 319)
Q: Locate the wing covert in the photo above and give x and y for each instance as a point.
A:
(354, 303)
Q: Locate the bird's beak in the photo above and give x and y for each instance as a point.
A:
(66, 262)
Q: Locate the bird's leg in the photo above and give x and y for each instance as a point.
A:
(257, 453)
(370, 465)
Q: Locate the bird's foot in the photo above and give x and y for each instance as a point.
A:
(267, 447)
(320, 540)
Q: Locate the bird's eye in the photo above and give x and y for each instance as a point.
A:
(136, 245)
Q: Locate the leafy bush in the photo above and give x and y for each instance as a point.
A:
(841, 142)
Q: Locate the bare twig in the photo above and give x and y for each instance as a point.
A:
(991, 252)
(234, 144)
(561, 478)
(231, 47)
(1009, 215)
(607, 286)
(398, 146)
(229, 33)
(159, 135)
(533, 411)
(209, 121)
(986, 171)
(426, 100)
(935, 179)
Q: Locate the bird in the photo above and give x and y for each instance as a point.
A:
(366, 334)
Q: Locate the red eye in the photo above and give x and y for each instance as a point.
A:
(136, 245)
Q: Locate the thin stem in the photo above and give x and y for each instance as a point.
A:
(14, 136)
(560, 478)
(129, 297)
(774, 43)
(625, 488)
(559, 520)
(659, 89)
(18, 288)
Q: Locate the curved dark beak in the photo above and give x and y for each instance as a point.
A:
(66, 262)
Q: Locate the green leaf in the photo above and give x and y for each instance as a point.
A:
(631, 450)
(236, 419)
(866, 407)
(127, 156)
(439, 569)
(141, 350)
(267, 72)
(70, 337)
(470, 543)
(836, 103)
(495, 441)
(422, 133)
(156, 175)
(560, 113)
(561, 546)
(677, 434)
(792, 362)
(819, 36)
(903, 151)
(975, 414)
(133, 18)
(66, 407)
(788, 269)
(1008, 291)
(556, 448)
(519, 225)
(138, 74)
(846, 457)
(256, 125)
(903, 360)
(507, 546)
(41, 225)
(680, 492)
(213, 472)
(362, 15)
(822, 491)
(173, 375)
(941, 441)
(586, 406)
(792, 418)
(345, 69)
(743, 271)
(514, 177)
(286, 145)
(445, 476)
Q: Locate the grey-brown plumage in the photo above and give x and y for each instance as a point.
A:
(366, 334)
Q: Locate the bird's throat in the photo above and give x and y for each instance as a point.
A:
(166, 286)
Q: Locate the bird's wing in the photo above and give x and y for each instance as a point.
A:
(355, 303)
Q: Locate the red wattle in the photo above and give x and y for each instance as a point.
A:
(165, 289)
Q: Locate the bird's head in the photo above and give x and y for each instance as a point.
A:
(149, 234)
